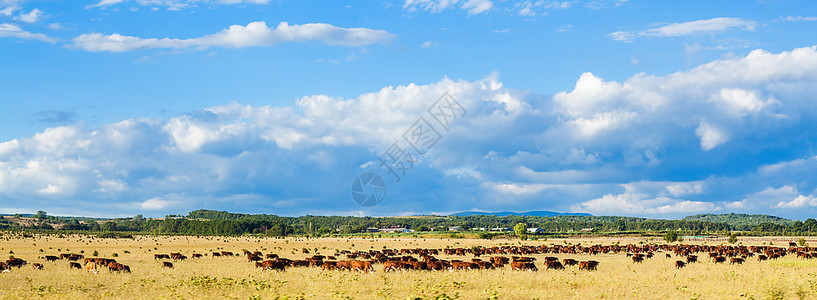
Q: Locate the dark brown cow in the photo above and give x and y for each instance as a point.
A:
(273, 265)
(161, 256)
(329, 265)
(271, 256)
(37, 266)
(692, 259)
(117, 267)
(72, 265)
(216, 254)
(554, 264)
(167, 264)
(719, 259)
(51, 258)
(589, 265)
(197, 255)
(762, 257)
(16, 262)
(4, 267)
(680, 264)
(638, 259)
(226, 253)
(736, 260)
(300, 263)
(570, 262)
(253, 257)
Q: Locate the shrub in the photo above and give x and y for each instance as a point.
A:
(671, 236)
(732, 239)
(802, 242)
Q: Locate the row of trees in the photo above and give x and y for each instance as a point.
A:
(206, 222)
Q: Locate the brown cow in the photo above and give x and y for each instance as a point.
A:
(363, 266)
(329, 265)
(719, 259)
(589, 265)
(4, 267)
(15, 262)
(161, 256)
(637, 259)
(216, 254)
(271, 256)
(197, 255)
(392, 266)
(37, 266)
(91, 267)
(554, 264)
(680, 264)
(167, 264)
(72, 265)
(762, 257)
(692, 259)
(570, 262)
(523, 265)
(51, 258)
(273, 265)
(253, 257)
(736, 260)
(300, 263)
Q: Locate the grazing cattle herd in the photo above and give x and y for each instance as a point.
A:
(392, 260)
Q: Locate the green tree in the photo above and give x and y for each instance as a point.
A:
(671, 236)
(40, 215)
(423, 228)
(802, 242)
(521, 230)
(732, 238)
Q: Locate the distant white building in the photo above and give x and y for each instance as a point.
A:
(587, 229)
(395, 229)
(455, 228)
(500, 229)
(535, 230)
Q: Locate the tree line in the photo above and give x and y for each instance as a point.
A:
(209, 222)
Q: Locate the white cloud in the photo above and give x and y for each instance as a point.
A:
(799, 18)
(11, 30)
(533, 8)
(175, 4)
(428, 44)
(31, 17)
(155, 204)
(713, 25)
(711, 136)
(255, 34)
(640, 205)
(513, 150)
(473, 7)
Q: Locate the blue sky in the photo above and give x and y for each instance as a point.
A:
(637, 108)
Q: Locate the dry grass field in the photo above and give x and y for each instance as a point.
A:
(617, 276)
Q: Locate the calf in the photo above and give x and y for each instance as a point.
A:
(73, 265)
(680, 264)
(167, 264)
(37, 266)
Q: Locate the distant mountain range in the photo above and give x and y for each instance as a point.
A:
(538, 213)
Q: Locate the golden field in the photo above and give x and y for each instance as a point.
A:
(236, 278)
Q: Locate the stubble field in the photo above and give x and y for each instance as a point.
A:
(617, 276)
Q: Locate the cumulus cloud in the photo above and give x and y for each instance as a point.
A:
(435, 6)
(31, 17)
(713, 25)
(14, 31)
(630, 204)
(255, 34)
(642, 146)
